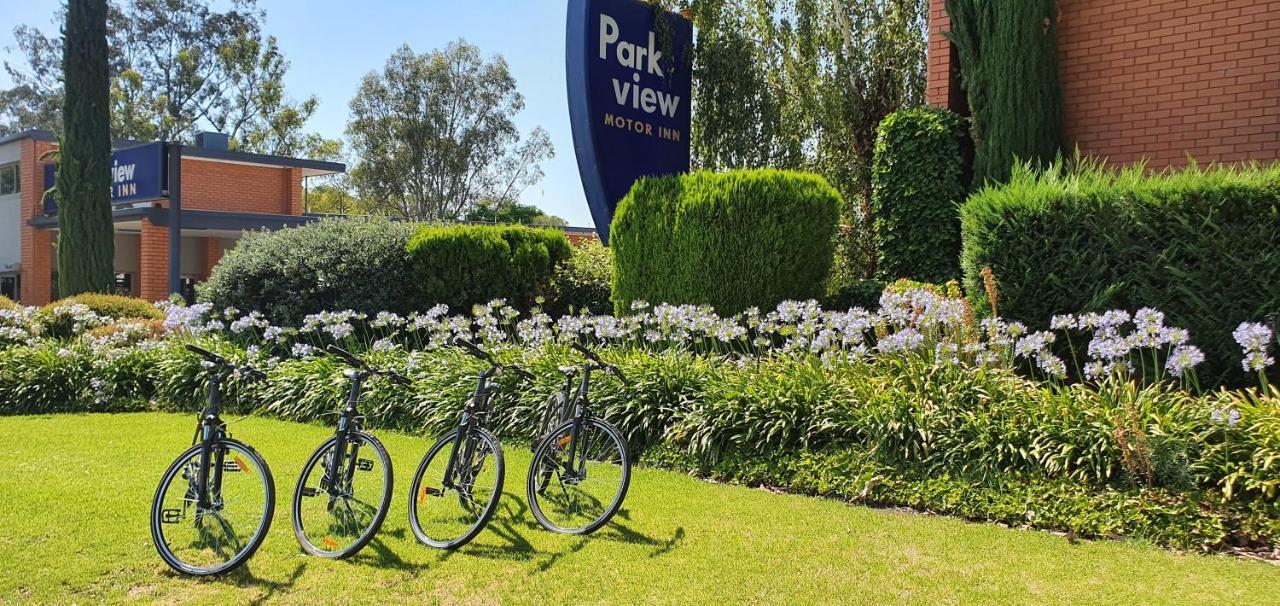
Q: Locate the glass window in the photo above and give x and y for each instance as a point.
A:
(124, 284)
(9, 286)
(9, 179)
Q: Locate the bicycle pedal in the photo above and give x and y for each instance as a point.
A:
(236, 464)
(171, 516)
(309, 492)
(565, 440)
(428, 491)
(364, 465)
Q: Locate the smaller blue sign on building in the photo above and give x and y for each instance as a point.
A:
(138, 174)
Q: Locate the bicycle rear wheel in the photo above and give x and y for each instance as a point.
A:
(336, 514)
(582, 498)
(450, 516)
(203, 541)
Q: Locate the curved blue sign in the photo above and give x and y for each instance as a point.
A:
(630, 78)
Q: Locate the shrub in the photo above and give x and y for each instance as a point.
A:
(731, 240)
(858, 293)
(357, 264)
(583, 282)
(7, 303)
(462, 266)
(1202, 245)
(115, 307)
(919, 179)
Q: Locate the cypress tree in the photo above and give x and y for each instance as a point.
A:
(1009, 69)
(86, 244)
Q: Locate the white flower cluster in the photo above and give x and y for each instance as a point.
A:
(19, 326)
(1255, 340)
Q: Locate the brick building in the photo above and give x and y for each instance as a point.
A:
(222, 192)
(1159, 80)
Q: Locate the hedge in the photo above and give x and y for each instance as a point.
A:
(731, 240)
(1201, 245)
(582, 283)
(116, 307)
(462, 266)
(357, 264)
(919, 179)
(7, 303)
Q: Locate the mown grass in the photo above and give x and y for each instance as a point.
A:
(75, 491)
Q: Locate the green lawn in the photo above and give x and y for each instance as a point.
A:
(75, 491)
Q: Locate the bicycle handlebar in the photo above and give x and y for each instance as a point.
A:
(248, 371)
(349, 357)
(591, 355)
(476, 352)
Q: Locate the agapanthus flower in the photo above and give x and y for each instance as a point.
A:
(1184, 358)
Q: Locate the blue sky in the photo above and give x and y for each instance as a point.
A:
(332, 44)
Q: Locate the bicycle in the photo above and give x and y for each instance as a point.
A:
(221, 488)
(333, 512)
(452, 498)
(581, 468)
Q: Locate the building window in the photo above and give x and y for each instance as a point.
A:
(10, 286)
(189, 289)
(10, 180)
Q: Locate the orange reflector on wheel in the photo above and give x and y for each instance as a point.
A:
(244, 467)
(565, 440)
(330, 543)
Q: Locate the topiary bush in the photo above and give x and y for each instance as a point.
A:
(7, 303)
(583, 282)
(466, 265)
(357, 264)
(1201, 245)
(919, 178)
(732, 240)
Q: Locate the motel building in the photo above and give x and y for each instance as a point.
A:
(220, 194)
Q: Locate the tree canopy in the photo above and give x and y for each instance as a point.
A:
(435, 136)
(176, 67)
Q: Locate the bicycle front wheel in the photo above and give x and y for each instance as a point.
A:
(337, 512)
(448, 508)
(222, 533)
(575, 488)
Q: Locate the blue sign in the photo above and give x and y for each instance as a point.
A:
(630, 78)
(137, 174)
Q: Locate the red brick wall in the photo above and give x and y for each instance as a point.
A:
(37, 245)
(1160, 79)
(241, 188)
(153, 262)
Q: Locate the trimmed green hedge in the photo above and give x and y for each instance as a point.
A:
(463, 266)
(919, 179)
(357, 264)
(583, 282)
(116, 307)
(1201, 245)
(731, 240)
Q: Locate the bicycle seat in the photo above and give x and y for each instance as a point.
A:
(568, 371)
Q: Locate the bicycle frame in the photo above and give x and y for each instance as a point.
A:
(209, 430)
(581, 406)
(349, 420)
(473, 415)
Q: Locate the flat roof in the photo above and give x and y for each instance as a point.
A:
(310, 168)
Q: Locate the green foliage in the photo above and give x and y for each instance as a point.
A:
(7, 303)
(462, 266)
(583, 282)
(86, 240)
(731, 240)
(116, 307)
(918, 182)
(357, 264)
(1009, 67)
(858, 293)
(1201, 245)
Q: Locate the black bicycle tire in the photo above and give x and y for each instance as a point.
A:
(490, 508)
(531, 490)
(157, 506)
(383, 507)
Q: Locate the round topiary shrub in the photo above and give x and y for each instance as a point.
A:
(116, 307)
(732, 240)
(332, 264)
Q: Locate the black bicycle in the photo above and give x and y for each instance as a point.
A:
(456, 488)
(581, 468)
(344, 492)
(213, 507)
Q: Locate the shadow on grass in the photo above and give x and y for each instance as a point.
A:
(244, 577)
(378, 555)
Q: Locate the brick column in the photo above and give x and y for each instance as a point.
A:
(293, 191)
(212, 254)
(153, 262)
(943, 85)
(37, 244)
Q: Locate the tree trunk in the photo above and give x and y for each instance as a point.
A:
(86, 239)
